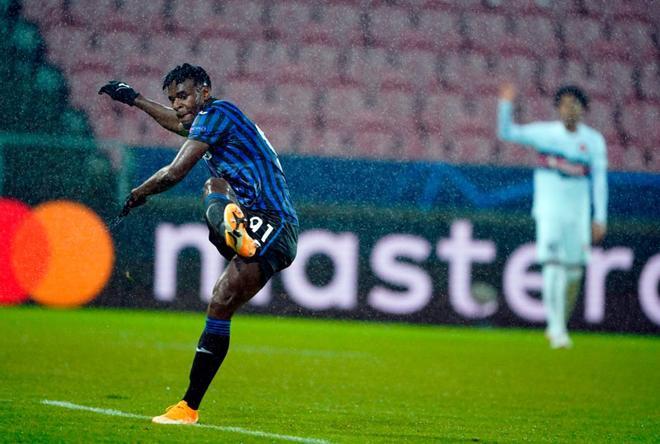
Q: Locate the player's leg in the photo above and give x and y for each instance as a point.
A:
(241, 280)
(552, 253)
(547, 250)
(237, 285)
(558, 332)
(554, 287)
(576, 239)
(573, 284)
(226, 220)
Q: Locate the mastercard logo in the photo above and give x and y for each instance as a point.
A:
(60, 253)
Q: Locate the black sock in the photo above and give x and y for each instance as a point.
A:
(211, 351)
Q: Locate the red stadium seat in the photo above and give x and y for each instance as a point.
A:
(216, 54)
(332, 142)
(246, 14)
(538, 34)
(491, 32)
(640, 121)
(123, 48)
(635, 37)
(342, 22)
(419, 66)
(415, 146)
(388, 24)
(442, 112)
(526, 8)
(612, 79)
(102, 15)
(442, 29)
(557, 72)
(449, 72)
(250, 94)
(615, 156)
(288, 18)
(297, 101)
(202, 18)
(650, 80)
(601, 117)
(66, 44)
(537, 108)
(518, 69)
(579, 34)
(320, 61)
(473, 149)
(481, 73)
(376, 143)
(163, 52)
(438, 147)
(343, 102)
(256, 58)
(633, 159)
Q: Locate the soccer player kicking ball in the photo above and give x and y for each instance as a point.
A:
(249, 213)
(571, 158)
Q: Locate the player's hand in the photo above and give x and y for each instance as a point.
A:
(133, 200)
(120, 91)
(508, 92)
(598, 231)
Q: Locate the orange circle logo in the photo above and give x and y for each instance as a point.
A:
(60, 253)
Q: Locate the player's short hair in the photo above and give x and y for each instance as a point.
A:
(574, 91)
(187, 71)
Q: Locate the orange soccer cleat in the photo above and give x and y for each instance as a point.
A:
(179, 413)
(236, 235)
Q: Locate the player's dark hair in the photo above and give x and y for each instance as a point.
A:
(574, 91)
(184, 72)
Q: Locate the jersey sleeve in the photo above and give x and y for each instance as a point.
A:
(509, 131)
(210, 126)
(599, 180)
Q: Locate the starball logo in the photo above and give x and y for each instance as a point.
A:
(60, 253)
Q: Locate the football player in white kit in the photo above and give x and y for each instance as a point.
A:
(572, 167)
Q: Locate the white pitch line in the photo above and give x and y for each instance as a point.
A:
(111, 412)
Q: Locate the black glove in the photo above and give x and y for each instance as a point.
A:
(130, 203)
(120, 91)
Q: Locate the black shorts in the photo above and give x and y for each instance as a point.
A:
(278, 238)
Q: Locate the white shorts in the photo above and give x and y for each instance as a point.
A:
(567, 241)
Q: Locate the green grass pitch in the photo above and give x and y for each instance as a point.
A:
(297, 380)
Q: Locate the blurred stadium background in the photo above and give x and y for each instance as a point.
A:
(384, 113)
(391, 107)
(418, 79)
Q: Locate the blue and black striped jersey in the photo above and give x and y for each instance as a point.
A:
(240, 154)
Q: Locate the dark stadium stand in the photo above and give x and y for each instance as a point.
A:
(383, 79)
(36, 84)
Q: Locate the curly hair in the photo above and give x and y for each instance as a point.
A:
(574, 91)
(187, 71)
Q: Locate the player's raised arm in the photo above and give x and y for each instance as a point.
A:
(164, 115)
(507, 129)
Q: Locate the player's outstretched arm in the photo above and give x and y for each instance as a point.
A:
(507, 129)
(168, 176)
(125, 93)
(164, 115)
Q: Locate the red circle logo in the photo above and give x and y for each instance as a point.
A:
(59, 252)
